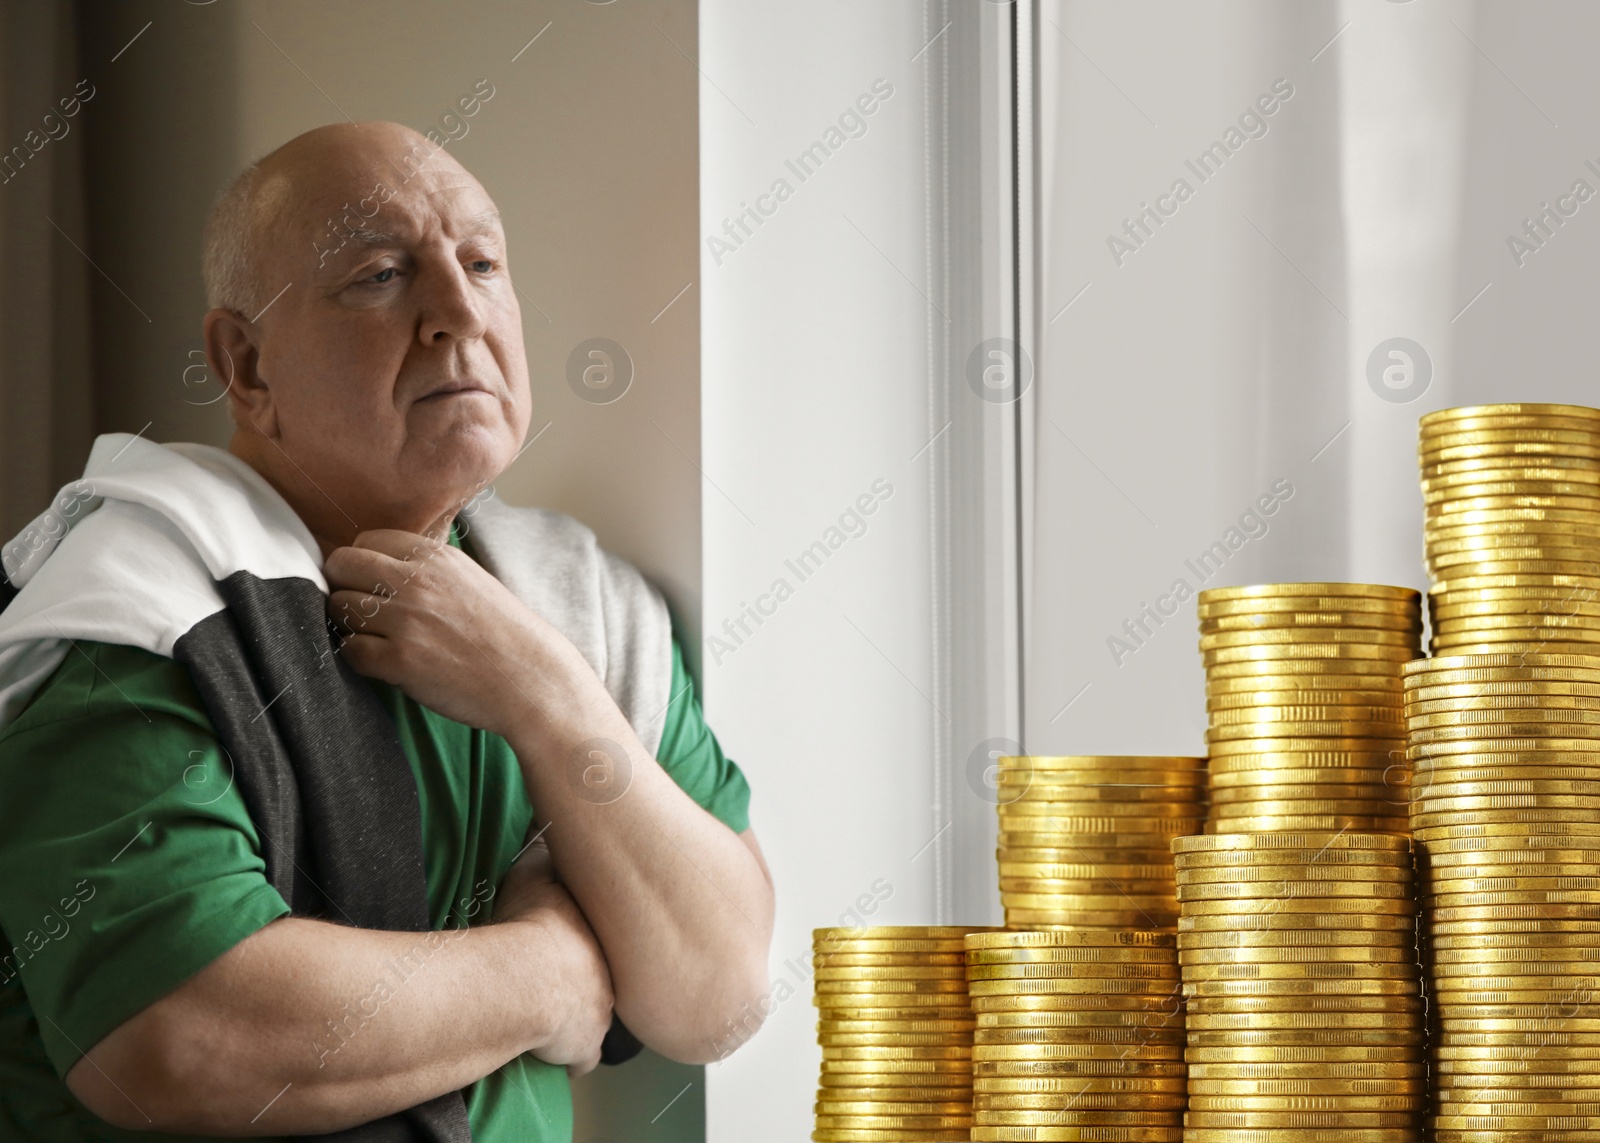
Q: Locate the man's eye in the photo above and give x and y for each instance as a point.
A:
(379, 276)
(486, 263)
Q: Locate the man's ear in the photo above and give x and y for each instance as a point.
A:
(232, 355)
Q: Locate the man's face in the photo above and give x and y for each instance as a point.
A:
(394, 359)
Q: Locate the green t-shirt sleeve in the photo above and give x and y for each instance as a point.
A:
(690, 753)
(128, 860)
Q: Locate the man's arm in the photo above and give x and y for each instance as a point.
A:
(289, 1033)
(682, 905)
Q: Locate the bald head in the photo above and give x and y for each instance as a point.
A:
(305, 198)
(364, 323)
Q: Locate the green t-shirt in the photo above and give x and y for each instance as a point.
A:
(128, 862)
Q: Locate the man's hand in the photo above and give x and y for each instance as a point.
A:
(529, 893)
(426, 618)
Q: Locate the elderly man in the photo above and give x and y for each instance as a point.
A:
(247, 891)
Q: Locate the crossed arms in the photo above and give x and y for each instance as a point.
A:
(661, 913)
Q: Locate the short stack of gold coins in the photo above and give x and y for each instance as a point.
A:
(1303, 991)
(895, 1027)
(1084, 839)
(1506, 749)
(1304, 698)
(1079, 1037)
(1512, 534)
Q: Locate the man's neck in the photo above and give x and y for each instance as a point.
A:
(334, 524)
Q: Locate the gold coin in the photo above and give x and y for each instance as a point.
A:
(1311, 869)
(1284, 823)
(886, 948)
(1302, 938)
(1284, 1038)
(849, 1123)
(1315, 841)
(884, 987)
(1390, 780)
(936, 1070)
(1303, 1087)
(1234, 1120)
(1233, 705)
(893, 1039)
(1163, 919)
(983, 1101)
(1269, 713)
(1314, 970)
(1024, 808)
(1518, 415)
(892, 973)
(861, 1135)
(994, 939)
(1201, 1005)
(1344, 748)
(1083, 1034)
(1066, 985)
(1414, 1072)
(997, 1134)
(1077, 1118)
(1088, 871)
(1288, 922)
(836, 1107)
(1071, 1085)
(1321, 588)
(1103, 823)
(1123, 763)
(1323, 652)
(1223, 989)
(1258, 731)
(856, 1014)
(897, 932)
(903, 1001)
(886, 960)
(1012, 785)
(1297, 685)
(1318, 1102)
(899, 1052)
(1248, 767)
(1293, 954)
(1306, 807)
(873, 1027)
(1287, 609)
(1311, 618)
(1161, 888)
(1269, 1021)
(1297, 886)
(1069, 969)
(1110, 1062)
(1155, 855)
(1263, 636)
(1019, 1053)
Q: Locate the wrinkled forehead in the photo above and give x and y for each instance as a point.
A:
(320, 212)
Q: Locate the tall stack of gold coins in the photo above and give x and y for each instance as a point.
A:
(895, 1027)
(1303, 691)
(1080, 1036)
(1303, 991)
(1507, 823)
(1512, 534)
(1084, 840)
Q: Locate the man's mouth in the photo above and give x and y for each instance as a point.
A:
(455, 389)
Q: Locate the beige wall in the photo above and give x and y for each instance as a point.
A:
(588, 145)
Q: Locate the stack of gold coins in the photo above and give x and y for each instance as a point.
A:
(1080, 1036)
(1513, 528)
(1507, 823)
(1302, 985)
(1083, 840)
(895, 1027)
(1303, 692)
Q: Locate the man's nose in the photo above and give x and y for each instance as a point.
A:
(452, 306)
